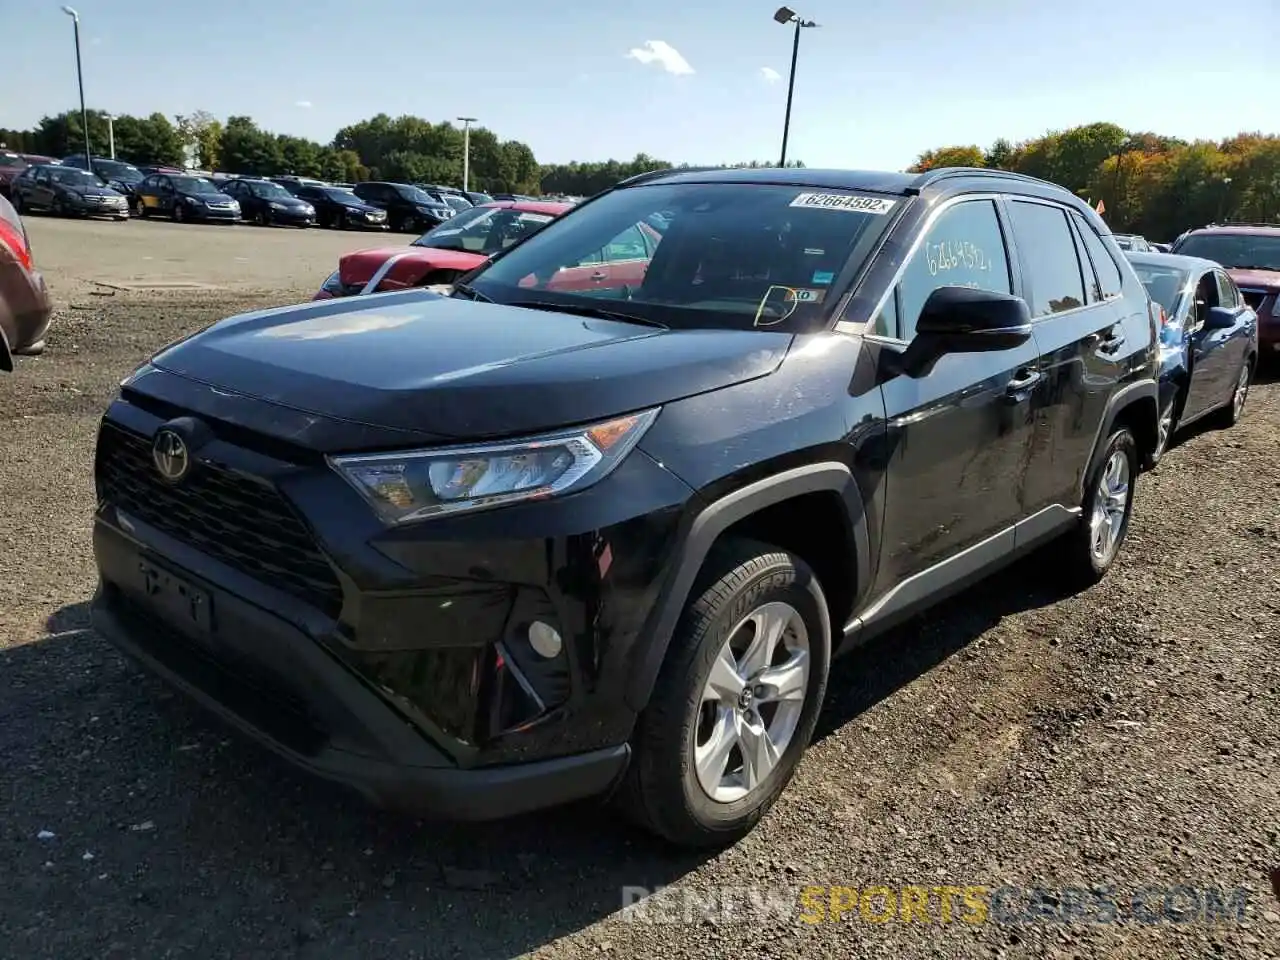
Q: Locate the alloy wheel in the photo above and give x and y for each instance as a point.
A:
(1110, 506)
(1165, 428)
(752, 702)
(1242, 391)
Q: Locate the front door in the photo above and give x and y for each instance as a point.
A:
(959, 435)
(1213, 361)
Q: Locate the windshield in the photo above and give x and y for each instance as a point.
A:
(73, 177)
(415, 195)
(1249, 251)
(1164, 284)
(338, 194)
(11, 160)
(114, 170)
(194, 185)
(457, 202)
(483, 230)
(738, 255)
(479, 197)
(270, 191)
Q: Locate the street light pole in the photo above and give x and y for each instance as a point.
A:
(784, 16)
(111, 136)
(84, 113)
(466, 151)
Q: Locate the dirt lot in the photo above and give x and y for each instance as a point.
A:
(1126, 736)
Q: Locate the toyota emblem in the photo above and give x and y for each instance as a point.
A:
(169, 452)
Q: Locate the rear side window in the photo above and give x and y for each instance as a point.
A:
(1049, 257)
(1109, 278)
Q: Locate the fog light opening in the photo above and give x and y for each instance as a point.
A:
(545, 640)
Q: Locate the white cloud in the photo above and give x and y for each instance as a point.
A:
(304, 104)
(95, 41)
(770, 75)
(663, 54)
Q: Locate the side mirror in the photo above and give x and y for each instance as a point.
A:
(965, 320)
(1219, 318)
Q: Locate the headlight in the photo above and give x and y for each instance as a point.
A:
(276, 206)
(193, 201)
(419, 484)
(308, 209)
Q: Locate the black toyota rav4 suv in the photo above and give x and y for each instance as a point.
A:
(559, 532)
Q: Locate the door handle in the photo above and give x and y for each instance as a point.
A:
(1111, 341)
(599, 275)
(1024, 380)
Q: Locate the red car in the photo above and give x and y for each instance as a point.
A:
(1251, 254)
(25, 307)
(12, 164)
(458, 245)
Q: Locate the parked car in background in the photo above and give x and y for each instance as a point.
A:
(66, 191)
(487, 552)
(184, 197)
(294, 184)
(25, 307)
(1251, 254)
(269, 204)
(441, 255)
(119, 176)
(1160, 247)
(1208, 341)
(12, 164)
(476, 197)
(146, 169)
(454, 199)
(409, 209)
(341, 209)
(1131, 241)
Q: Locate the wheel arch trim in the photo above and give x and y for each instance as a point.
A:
(707, 526)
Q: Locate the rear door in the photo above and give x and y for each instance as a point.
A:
(1077, 310)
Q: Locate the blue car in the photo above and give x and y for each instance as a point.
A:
(1208, 341)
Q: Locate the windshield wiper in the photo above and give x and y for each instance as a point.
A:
(583, 310)
(470, 291)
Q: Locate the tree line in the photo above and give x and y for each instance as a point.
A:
(403, 149)
(1150, 184)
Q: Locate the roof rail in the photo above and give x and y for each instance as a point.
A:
(930, 177)
(1275, 225)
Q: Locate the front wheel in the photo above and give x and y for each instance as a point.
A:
(1091, 548)
(179, 212)
(1230, 415)
(736, 700)
(264, 218)
(1165, 430)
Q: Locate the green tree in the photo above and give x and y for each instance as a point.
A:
(201, 133)
(249, 150)
(964, 156)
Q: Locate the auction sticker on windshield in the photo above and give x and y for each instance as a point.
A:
(843, 201)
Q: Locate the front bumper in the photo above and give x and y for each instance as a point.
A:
(302, 704)
(396, 661)
(207, 213)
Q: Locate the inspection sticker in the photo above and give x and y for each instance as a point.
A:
(842, 201)
(806, 295)
(823, 276)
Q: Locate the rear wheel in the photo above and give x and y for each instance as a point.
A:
(179, 212)
(143, 211)
(57, 208)
(1091, 548)
(339, 221)
(736, 700)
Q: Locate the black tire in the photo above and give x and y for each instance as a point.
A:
(340, 220)
(263, 218)
(177, 213)
(1082, 565)
(57, 208)
(1165, 430)
(1230, 415)
(661, 791)
(18, 205)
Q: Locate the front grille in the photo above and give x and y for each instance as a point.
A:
(232, 518)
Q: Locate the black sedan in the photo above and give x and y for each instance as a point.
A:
(66, 191)
(342, 209)
(182, 197)
(119, 176)
(267, 203)
(1208, 341)
(409, 209)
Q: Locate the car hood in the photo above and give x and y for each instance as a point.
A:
(454, 368)
(92, 191)
(1266, 279)
(361, 265)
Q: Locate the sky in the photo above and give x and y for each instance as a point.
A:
(698, 81)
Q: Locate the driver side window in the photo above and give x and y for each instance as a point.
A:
(963, 248)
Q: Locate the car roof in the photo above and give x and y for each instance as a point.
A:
(1174, 261)
(1252, 229)
(876, 181)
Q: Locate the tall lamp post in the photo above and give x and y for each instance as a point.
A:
(84, 114)
(466, 151)
(784, 16)
(111, 136)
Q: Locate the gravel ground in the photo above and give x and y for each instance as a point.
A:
(1123, 736)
